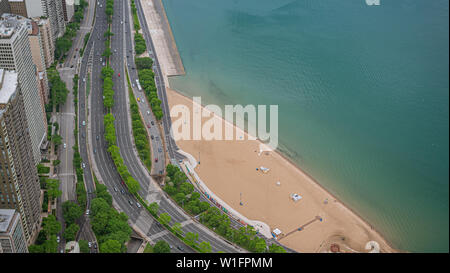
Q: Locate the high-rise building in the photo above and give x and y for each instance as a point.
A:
(48, 46)
(53, 9)
(15, 54)
(19, 181)
(37, 52)
(12, 236)
(4, 7)
(69, 10)
(26, 8)
(18, 7)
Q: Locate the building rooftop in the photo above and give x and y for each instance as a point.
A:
(8, 85)
(9, 23)
(6, 216)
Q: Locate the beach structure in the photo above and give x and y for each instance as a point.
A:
(296, 197)
(276, 232)
(373, 247)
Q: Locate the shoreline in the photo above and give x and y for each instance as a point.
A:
(387, 246)
(163, 50)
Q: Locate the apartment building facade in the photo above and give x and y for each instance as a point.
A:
(4, 7)
(19, 181)
(12, 236)
(15, 54)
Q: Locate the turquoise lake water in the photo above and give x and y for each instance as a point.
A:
(363, 95)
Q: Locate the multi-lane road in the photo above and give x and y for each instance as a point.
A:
(121, 44)
(66, 121)
(99, 157)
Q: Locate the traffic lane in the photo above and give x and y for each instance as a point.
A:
(216, 245)
(123, 201)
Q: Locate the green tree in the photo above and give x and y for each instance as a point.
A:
(102, 192)
(274, 248)
(205, 247)
(186, 188)
(177, 229)
(144, 63)
(84, 246)
(71, 212)
(161, 247)
(51, 226)
(57, 139)
(258, 245)
(36, 249)
(180, 198)
(164, 218)
(71, 232)
(191, 238)
(133, 185)
(153, 207)
(110, 246)
(51, 245)
(53, 188)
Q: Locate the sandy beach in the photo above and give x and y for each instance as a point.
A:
(229, 169)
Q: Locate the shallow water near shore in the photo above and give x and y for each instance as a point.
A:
(362, 92)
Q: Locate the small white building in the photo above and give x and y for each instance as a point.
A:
(295, 197)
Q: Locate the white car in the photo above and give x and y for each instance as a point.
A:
(65, 145)
(87, 212)
(148, 112)
(89, 244)
(84, 165)
(84, 123)
(58, 239)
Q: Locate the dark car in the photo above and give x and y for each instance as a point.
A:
(152, 123)
(97, 137)
(180, 248)
(152, 137)
(122, 191)
(131, 202)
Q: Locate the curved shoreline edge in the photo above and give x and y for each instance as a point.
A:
(174, 60)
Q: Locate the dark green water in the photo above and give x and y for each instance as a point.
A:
(363, 95)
